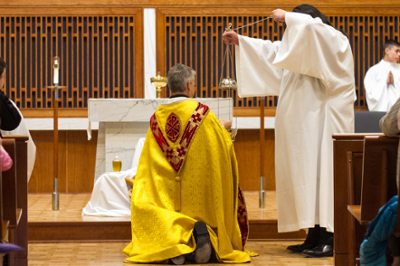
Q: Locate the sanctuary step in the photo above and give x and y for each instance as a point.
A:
(272, 253)
(68, 224)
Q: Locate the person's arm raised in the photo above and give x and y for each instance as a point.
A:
(279, 15)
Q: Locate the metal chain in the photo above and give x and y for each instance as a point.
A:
(227, 51)
(253, 23)
(223, 66)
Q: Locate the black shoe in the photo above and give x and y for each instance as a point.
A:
(203, 250)
(319, 251)
(300, 248)
(311, 241)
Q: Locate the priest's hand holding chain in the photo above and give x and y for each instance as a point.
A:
(279, 15)
(230, 37)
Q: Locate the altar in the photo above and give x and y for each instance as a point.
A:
(122, 122)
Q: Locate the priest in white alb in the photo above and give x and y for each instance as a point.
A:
(312, 71)
(382, 81)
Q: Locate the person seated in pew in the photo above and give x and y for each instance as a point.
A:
(390, 126)
(186, 201)
(11, 120)
(382, 81)
(390, 123)
(379, 235)
(9, 115)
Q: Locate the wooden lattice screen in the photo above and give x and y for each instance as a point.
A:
(98, 55)
(102, 54)
(197, 42)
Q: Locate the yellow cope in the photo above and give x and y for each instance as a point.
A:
(208, 183)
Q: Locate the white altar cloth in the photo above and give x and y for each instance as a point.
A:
(110, 195)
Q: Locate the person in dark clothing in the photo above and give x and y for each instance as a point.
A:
(9, 115)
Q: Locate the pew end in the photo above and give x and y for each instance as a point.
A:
(14, 198)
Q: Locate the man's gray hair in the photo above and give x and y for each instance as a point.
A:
(178, 77)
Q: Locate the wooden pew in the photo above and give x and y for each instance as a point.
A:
(378, 182)
(17, 213)
(347, 170)
(9, 183)
(374, 157)
(4, 223)
(9, 194)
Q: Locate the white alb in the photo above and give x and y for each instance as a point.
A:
(312, 71)
(380, 95)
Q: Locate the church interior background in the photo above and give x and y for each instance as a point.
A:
(110, 49)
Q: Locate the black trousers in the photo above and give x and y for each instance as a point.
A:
(319, 236)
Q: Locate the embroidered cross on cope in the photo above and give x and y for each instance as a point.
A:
(173, 127)
(176, 157)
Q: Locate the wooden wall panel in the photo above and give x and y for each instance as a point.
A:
(77, 158)
(369, 4)
(80, 161)
(42, 175)
(247, 149)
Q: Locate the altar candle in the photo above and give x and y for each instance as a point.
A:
(56, 66)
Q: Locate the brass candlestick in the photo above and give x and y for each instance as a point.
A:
(159, 82)
(55, 195)
(56, 88)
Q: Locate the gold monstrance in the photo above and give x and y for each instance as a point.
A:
(229, 84)
(158, 82)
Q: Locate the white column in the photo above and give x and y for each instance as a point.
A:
(149, 22)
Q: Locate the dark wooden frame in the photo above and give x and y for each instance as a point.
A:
(349, 184)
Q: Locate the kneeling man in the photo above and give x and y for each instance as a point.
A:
(186, 197)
